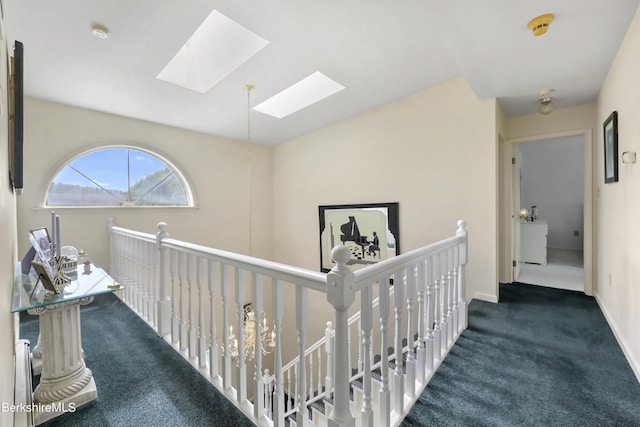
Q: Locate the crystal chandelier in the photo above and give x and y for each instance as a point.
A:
(250, 337)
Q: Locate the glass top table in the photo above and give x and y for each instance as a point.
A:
(29, 292)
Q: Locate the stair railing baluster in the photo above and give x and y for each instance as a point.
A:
(436, 308)
(241, 369)
(410, 385)
(398, 374)
(450, 269)
(287, 405)
(161, 280)
(202, 340)
(366, 322)
(280, 407)
(213, 329)
(153, 283)
(301, 327)
(359, 330)
(430, 307)
(183, 301)
(319, 383)
(226, 353)
(258, 384)
(328, 349)
(190, 267)
(385, 398)
(456, 264)
(443, 305)
(175, 320)
(420, 352)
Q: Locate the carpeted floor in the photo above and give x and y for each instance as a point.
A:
(141, 380)
(541, 357)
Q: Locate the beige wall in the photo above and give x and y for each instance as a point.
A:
(618, 204)
(8, 321)
(216, 167)
(433, 152)
(536, 126)
(579, 120)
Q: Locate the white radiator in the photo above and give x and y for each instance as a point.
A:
(23, 391)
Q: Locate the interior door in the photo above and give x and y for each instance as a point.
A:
(516, 182)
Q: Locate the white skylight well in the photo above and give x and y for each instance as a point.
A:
(307, 91)
(217, 48)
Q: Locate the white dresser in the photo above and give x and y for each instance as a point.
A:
(533, 242)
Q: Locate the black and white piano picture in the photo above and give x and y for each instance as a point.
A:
(365, 231)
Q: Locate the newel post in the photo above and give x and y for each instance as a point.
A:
(462, 303)
(164, 303)
(340, 294)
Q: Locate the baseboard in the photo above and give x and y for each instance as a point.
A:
(635, 365)
(486, 297)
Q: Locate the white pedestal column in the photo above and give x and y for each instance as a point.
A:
(65, 383)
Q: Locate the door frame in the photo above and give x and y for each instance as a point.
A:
(511, 217)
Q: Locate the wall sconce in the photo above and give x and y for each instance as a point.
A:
(628, 157)
(545, 104)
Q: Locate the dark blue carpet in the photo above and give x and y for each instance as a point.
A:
(141, 380)
(540, 357)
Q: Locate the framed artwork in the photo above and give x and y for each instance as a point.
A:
(611, 148)
(370, 231)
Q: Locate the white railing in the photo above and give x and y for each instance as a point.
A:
(412, 309)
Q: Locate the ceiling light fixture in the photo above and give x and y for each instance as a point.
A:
(545, 104)
(540, 24)
(100, 31)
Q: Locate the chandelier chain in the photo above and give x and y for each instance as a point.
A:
(249, 88)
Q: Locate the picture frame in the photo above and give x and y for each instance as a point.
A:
(41, 241)
(610, 128)
(370, 231)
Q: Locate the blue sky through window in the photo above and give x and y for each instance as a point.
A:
(117, 176)
(108, 167)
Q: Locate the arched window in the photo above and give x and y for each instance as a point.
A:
(118, 176)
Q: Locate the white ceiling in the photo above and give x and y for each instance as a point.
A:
(381, 50)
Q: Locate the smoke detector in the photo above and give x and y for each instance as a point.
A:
(100, 31)
(540, 24)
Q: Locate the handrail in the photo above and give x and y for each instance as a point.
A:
(363, 276)
(307, 278)
(132, 233)
(175, 285)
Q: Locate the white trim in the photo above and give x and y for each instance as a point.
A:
(635, 364)
(486, 297)
(589, 227)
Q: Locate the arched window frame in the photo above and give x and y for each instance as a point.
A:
(152, 152)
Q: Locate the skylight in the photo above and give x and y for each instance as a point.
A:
(217, 48)
(307, 91)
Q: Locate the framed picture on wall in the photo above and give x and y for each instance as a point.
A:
(611, 148)
(370, 231)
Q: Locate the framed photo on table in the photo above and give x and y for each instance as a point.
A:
(370, 231)
(611, 148)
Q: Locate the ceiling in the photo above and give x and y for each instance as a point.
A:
(380, 50)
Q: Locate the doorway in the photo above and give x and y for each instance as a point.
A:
(549, 194)
(509, 250)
